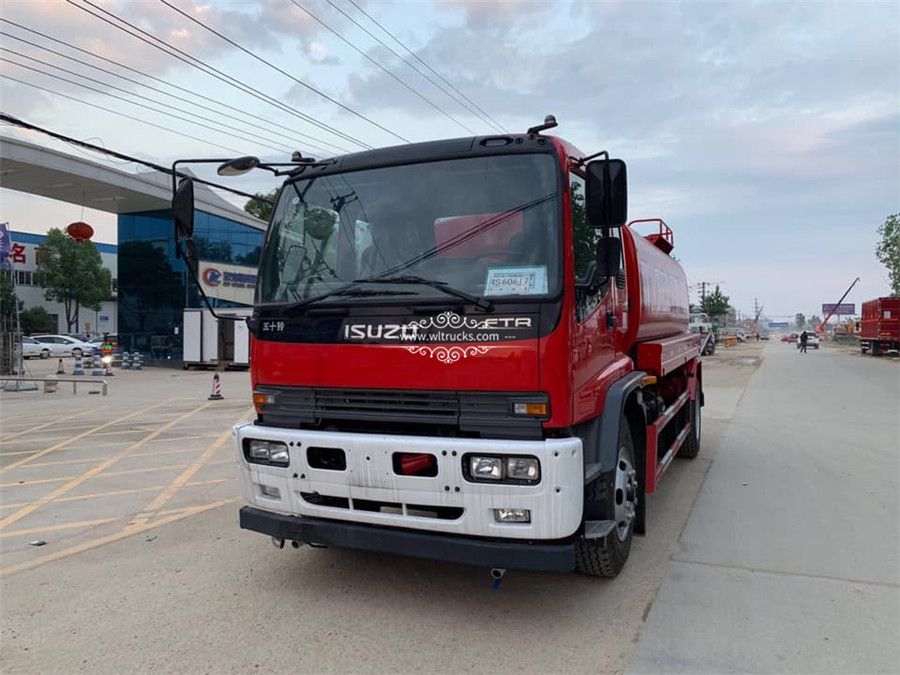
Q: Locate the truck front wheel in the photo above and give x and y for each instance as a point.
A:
(691, 446)
(605, 557)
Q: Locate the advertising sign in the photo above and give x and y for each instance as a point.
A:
(228, 282)
(779, 324)
(844, 309)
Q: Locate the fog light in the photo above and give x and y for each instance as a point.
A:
(490, 468)
(512, 515)
(270, 491)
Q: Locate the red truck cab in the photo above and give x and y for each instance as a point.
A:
(460, 351)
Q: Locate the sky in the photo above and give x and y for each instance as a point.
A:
(766, 134)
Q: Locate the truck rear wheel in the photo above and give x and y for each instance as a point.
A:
(605, 557)
(691, 446)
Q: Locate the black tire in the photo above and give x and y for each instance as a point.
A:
(45, 353)
(691, 446)
(606, 557)
(76, 352)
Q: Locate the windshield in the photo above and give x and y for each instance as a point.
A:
(488, 226)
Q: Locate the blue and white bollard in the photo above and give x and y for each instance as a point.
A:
(138, 362)
(78, 369)
(126, 361)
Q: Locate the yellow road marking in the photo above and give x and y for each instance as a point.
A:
(187, 474)
(56, 421)
(40, 481)
(87, 475)
(110, 474)
(94, 543)
(54, 528)
(90, 431)
(152, 453)
(18, 452)
(116, 493)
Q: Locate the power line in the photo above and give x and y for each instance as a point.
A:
(205, 68)
(116, 112)
(266, 142)
(474, 105)
(381, 67)
(120, 98)
(220, 103)
(283, 72)
(15, 121)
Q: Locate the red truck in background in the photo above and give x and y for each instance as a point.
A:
(880, 326)
(460, 351)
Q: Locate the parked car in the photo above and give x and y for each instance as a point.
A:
(32, 349)
(98, 341)
(63, 345)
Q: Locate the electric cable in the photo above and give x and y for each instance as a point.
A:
(213, 72)
(145, 106)
(283, 72)
(392, 51)
(220, 103)
(474, 105)
(15, 121)
(264, 141)
(379, 66)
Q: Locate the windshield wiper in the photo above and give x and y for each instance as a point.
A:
(486, 305)
(345, 290)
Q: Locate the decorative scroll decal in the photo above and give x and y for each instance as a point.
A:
(448, 354)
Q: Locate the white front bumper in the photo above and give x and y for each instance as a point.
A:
(555, 502)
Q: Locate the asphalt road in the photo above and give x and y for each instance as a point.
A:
(170, 584)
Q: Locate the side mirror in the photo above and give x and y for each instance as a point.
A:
(183, 210)
(190, 257)
(607, 193)
(609, 257)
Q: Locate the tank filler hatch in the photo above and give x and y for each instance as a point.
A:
(664, 239)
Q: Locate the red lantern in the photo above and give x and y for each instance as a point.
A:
(80, 231)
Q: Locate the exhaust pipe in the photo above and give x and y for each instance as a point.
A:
(296, 544)
(497, 573)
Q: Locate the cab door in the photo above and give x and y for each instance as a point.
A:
(593, 334)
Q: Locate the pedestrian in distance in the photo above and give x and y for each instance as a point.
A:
(803, 342)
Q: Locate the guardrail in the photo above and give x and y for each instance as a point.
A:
(51, 383)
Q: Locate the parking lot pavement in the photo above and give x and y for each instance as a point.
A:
(80, 470)
(146, 570)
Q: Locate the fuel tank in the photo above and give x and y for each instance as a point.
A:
(657, 289)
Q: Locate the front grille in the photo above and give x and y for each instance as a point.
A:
(392, 508)
(485, 414)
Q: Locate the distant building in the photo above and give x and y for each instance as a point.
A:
(23, 257)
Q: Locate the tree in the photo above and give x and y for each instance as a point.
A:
(716, 303)
(72, 273)
(800, 321)
(814, 321)
(888, 250)
(261, 205)
(37, 320)
(8, 301)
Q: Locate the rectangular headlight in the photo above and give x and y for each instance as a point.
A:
(533, 409)
(523, 468)
(267, 452)
(486, 468)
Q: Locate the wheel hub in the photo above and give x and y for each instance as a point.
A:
(626, 494)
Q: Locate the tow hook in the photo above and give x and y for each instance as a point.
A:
(497, 574)
(277, 543)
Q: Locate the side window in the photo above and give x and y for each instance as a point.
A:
(585, 242)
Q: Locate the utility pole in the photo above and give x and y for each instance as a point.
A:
(703, 285)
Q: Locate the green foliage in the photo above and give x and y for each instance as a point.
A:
(888, 250)
(800, 321)
(262, 205)
(8, 301)
(716, 303)
(585, 236)
(813, 321)
(73, 274)
(37, 320)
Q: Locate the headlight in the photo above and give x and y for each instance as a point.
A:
(503, 469)
(490, 468)
(267, 452)
(523, 468)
